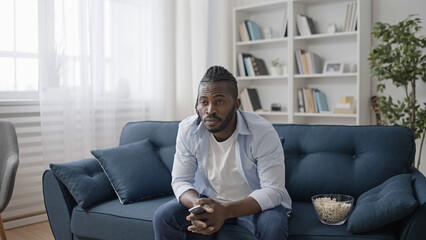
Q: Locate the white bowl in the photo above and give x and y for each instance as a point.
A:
(332, 209)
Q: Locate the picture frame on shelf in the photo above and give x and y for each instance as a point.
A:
(332, 67)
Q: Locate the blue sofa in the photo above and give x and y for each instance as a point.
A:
(319, 159)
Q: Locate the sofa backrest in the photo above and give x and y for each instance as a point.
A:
(319, 158)
(161, 134)
(343, 159)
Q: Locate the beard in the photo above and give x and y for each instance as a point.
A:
(224, 123)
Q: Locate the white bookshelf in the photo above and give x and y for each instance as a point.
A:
(348, 47)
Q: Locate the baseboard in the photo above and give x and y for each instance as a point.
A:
(25, 221)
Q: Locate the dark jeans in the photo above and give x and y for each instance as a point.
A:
(170, 223)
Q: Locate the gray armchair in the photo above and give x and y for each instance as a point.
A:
(9, 161)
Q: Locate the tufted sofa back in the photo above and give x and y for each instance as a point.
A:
(319, 159)
(343, 159)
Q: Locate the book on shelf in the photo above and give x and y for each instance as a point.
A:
(351, 17)
(254, 99)
(346, 105)
(259, 66)
(241, 66)
(250, 66)
(245, 100)
(305, 25)
(284, 27)
(300, 101)
(344, 110)
(253, 30)
(322, 102)
(243, 32)
(311, 100)
(250, 100)
(307, 62)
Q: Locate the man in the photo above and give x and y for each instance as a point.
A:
(228, 161)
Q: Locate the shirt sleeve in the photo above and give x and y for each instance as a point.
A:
(184, 164)
(269, 155)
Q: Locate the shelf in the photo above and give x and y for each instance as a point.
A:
(266, 77)
(269, 113)
(326, 35)
(332, 115)
(350, 48)
(261, 7)
(263, 42)
(322, 75)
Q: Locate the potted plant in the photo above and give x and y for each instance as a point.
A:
(400, 58)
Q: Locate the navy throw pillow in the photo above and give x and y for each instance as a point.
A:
(386, 203)
(83, 178)
(135, 171)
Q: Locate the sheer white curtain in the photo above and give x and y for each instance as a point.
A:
(108, 62)
(105, 63)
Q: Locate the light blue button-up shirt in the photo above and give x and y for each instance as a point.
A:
(259, 154)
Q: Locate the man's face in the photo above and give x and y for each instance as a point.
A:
(216, 106)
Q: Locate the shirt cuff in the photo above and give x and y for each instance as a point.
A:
(262, 199)
(182, 189)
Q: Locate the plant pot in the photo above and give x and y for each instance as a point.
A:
(276, 71)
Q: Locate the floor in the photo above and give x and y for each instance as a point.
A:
(38, 231)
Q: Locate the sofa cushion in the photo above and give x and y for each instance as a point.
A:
(83, 178)
(133, 171)
(305, 225)
(386, 203)
(134, 221)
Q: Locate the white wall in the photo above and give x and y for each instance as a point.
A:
(393, 11)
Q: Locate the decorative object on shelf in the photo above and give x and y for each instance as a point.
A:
(333, 67)
(284, 67)
(275, 107)
(346, 105)
(276, 68)
(331, 28)
(267, 33)
(354, 68)
(404, 64)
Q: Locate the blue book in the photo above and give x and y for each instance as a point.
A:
(248, 66)
(322, 102)
(254, 30)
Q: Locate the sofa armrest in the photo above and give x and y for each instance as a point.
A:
(59, 204)
(414, 227)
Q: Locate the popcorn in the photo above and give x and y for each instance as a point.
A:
(331, 211)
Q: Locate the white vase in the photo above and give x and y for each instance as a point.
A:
(276, 71)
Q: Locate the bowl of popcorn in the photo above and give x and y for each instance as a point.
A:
(332, 209)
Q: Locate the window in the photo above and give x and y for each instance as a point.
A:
(18, 47)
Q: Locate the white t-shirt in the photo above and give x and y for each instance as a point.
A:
(222, 169)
